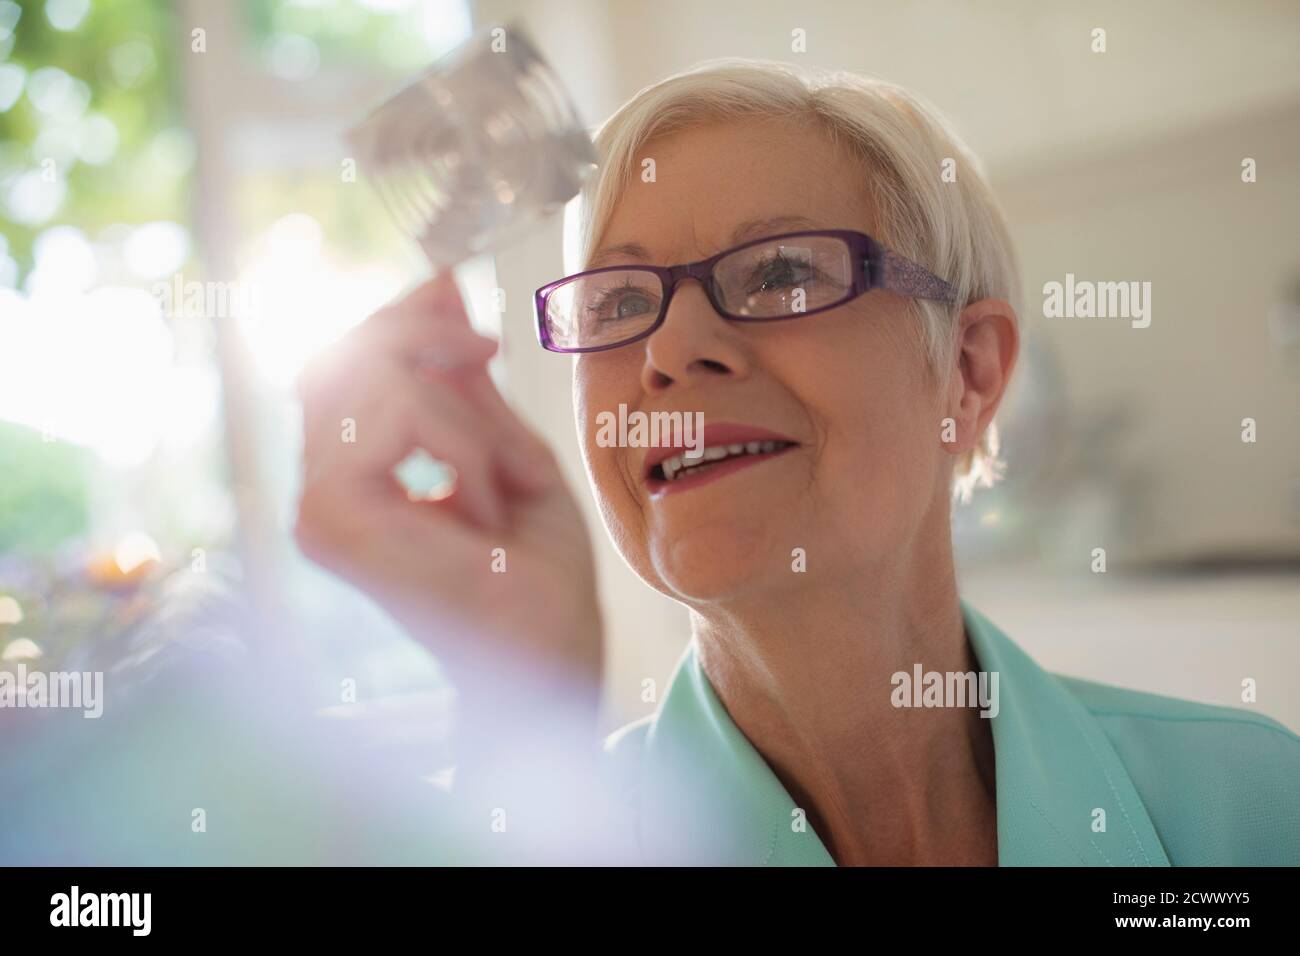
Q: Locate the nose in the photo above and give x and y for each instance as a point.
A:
(693, 344)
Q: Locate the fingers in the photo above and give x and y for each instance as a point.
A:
(353, 516)
(447, 345)
(451, 436)
(390, 413)
(432, 315)
(387, 544)
(331, 372)
(536, 464)
(428, 328)
(423, 338)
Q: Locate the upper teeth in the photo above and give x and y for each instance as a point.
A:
(674, 465)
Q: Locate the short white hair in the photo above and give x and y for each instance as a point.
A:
(950, 224)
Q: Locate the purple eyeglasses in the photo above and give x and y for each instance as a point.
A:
(779, 277)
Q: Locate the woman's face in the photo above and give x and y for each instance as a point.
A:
(849, 385)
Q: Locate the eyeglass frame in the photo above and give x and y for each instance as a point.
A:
(882, 269)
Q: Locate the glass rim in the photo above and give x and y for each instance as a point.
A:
(883, 269)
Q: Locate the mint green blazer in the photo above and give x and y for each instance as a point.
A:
(1180, 783)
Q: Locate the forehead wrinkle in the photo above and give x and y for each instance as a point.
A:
(625, 250)
(759, 137)
(773, 225)
(750, 229)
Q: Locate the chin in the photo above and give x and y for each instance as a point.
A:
(720, 561)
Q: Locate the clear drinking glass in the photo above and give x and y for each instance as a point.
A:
(477, 149)
(473, 152)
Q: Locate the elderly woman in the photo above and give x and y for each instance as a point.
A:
(816, 265)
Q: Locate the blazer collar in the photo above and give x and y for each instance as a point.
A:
(708, 797)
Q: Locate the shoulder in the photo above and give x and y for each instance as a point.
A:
(621, 777)
(1221, 784)
(623, 750)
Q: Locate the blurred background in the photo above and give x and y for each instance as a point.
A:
(148, 456)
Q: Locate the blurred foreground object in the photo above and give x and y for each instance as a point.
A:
(476, 150)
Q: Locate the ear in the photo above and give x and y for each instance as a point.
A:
(988, 343)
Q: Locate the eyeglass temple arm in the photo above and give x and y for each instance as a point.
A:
(902, 275)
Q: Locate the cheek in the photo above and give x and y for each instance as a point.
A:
(593, 393)
(586, 404)
(600, 384)
(882, 430)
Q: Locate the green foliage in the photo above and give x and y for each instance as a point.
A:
(121, 52)
(43, 491)
(346, 33)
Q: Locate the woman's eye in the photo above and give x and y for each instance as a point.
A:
(614, 306)
(782, 273)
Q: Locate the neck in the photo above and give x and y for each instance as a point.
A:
(805, 675)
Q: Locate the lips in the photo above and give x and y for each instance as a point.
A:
(727, 447)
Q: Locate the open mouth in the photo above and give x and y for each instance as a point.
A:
(727, 447)
(678, 467)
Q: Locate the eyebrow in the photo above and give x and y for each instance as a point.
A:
(752, 229)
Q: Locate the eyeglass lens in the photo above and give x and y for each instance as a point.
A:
(778, 279)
